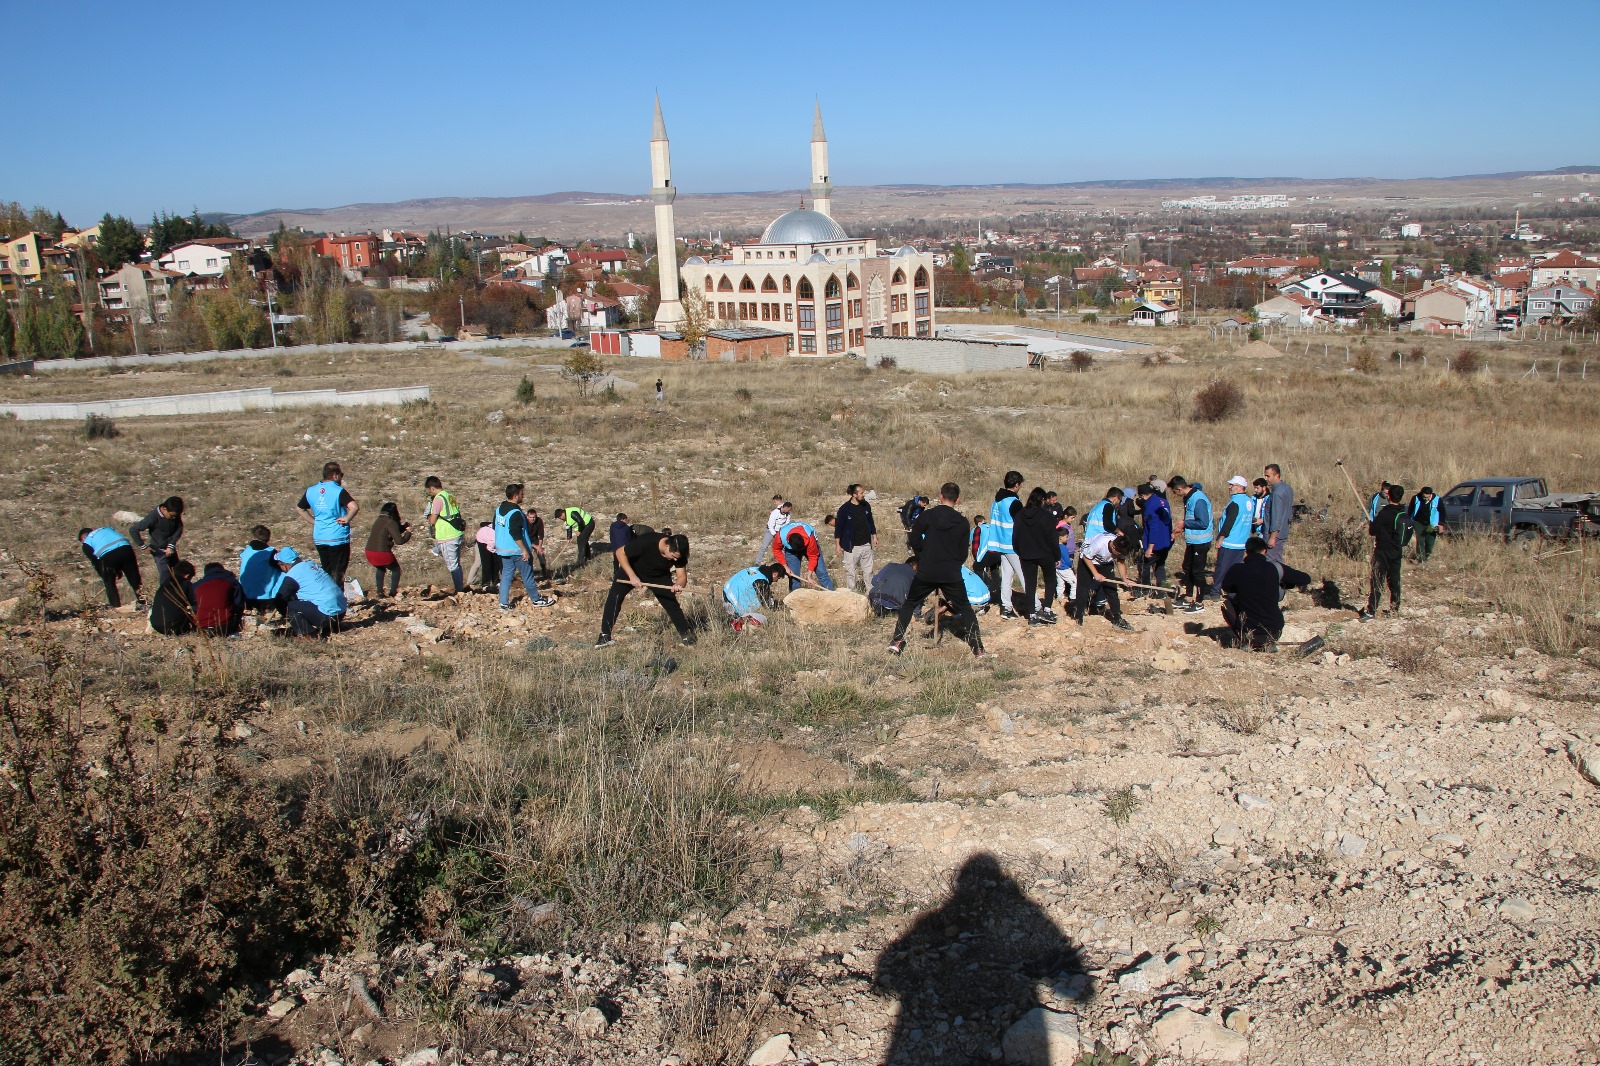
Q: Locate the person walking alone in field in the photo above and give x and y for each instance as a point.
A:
(661, 392)
(443, 519)
(388, 532)
(1425, 517)
(329, 508)
(1279, 513)
(112, 555)
(939, 540)
(857, 534)
(164, 524)
(1391, 530)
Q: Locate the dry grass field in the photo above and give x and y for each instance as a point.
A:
(455, 829)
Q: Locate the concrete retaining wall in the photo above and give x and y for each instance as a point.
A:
(208, 403)
(930, 356)
(107, 362)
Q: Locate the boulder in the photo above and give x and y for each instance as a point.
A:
(1586, 757)
(774, 1051)
(1190, 1036)
(1043, 1038)
(1170, 661)
(819, 607)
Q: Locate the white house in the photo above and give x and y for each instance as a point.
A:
(206, 258)
(1411, 230)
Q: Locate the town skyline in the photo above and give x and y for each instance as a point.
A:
(321, 107)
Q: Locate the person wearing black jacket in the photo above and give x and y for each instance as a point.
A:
(655, 561)
(1389, 528)
(165, 527)
(939, 540)
(857, 534)
(1250, 595)
(1037, 546)
(172, 607)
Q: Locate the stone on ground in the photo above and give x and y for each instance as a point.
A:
(1586, 757)
(774, 1051)
(819, 607)
(1191, 1036)
(1043, 1038)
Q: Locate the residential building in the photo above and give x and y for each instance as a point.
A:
(1564, 300)
(630, 296)
(23, 255)
(805, 277)
(1391, 302)
(402, 243)
(1338, 295)
(206, 257)
(1411, 230)
(1269, 266)
(81, 238)
(1440, 308)
(609, 260)
(1511, 288)
(1288, 308)
(354, 254)
(1148, 313)
(137, 288)
(1565, 264)
(582, 311)
(1161, 285)
(514, 253)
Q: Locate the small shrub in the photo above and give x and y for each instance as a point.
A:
(1218, 400)
(1397, 356)
(99, 427)
(1081, 361)
(1206, 923)
(1467, 361)
(284, 372)
(1366, 361)
(1418, 352)
(744, 394)
(525, 391)
(1091, 318)
(1120, 805)
(888, 362)
(1255, 333)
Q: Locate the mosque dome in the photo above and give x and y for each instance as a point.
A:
(801, 226)
(694, 260)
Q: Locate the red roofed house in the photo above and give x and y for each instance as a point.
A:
(609, 260)
(355, 253)
(1566, 264)
(1270, 266)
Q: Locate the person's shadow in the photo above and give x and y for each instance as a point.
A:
(966, 971)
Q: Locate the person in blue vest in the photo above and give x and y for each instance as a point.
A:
(1425, 517)
(746, 594)
(1233, 530)
(259, 575)
(1001, 531)
(1102, 517)
(1380, 499)
(329, 508)
(1197, 537)
(515, 549)
(312, 600)
(111, 555)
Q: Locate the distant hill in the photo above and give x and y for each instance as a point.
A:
(572, 214)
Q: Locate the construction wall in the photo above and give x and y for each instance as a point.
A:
(937, 356)
(206, 403)
(106, 362)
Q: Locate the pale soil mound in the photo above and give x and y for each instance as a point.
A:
(779, 769)
(1259, 350)
(818, 607)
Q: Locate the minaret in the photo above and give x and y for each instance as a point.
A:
(821, 187)
(670, 314)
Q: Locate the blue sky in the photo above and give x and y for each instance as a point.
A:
(243, 107)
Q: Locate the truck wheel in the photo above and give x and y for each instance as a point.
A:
(1527, 538)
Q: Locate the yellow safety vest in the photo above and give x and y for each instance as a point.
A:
(443, 530)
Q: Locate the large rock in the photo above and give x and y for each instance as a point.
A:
(1586, 757)
(1190, 1036)
(774, 1051)
(819, 607)
(1043, 1038)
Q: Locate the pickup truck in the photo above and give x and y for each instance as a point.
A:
(1521, 508)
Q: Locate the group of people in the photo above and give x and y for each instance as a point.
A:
(1026, 552)
(311, 596)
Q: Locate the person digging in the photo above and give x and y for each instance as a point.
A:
(653, 561)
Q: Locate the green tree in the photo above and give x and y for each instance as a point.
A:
(583, 367)
(8, 336)
(960, 261)
(232, 320)
(1473, 264)
(47, 328)
(120, 242)
(696, 321)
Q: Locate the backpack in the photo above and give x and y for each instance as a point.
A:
(910, 511)
(1405, 528)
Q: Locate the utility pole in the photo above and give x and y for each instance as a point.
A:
(272, 318)
(463, 301)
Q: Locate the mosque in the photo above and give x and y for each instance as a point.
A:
(805, 278)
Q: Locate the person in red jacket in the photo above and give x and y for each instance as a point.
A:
(218, 601)
(796, 544)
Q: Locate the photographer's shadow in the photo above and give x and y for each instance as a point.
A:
(966, 971)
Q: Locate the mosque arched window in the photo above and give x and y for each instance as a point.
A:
(922, 277)
(768, 285)
(804, 290)
(899, 277)
(832, 289)
(726, 284)
(746, 285)
(786, 285)
(850, 282)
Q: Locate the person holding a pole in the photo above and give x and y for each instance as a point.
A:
(655, 561)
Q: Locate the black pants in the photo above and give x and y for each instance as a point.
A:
(1038, 577)
(1386, 569)
(1087, 587)
(584, 533)
(488, 567)
(307, 621)
(1248, 632)
(119, 560)
(335, 559)
(265, 605)
(394, 579)
(955, 594)
(1194, 569)
(1426, 538)
(668, 601)
(1153, 570)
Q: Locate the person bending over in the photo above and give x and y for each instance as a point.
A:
(111, 555)
(659, 562)
(939, 538)
(1101, 567)
(1250, 595)
(746, 594)
(312, 600)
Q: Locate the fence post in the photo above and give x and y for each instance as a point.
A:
(1558, 371)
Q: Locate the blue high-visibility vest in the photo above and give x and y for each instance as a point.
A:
(1000, 525)
(317, 588)
(740, 590)
(505, 542)
(1094, 523)
(323, 498)
(259, 574)
(1197, 508)
(103, 540)
(977, 591)
(1239, 532)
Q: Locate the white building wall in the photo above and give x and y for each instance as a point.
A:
(926, 356)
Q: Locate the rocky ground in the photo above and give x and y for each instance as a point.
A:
(1381, 852)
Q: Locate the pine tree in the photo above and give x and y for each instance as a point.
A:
(8, 337)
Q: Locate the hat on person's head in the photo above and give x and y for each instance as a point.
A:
(1237, 480)
(287, 555)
